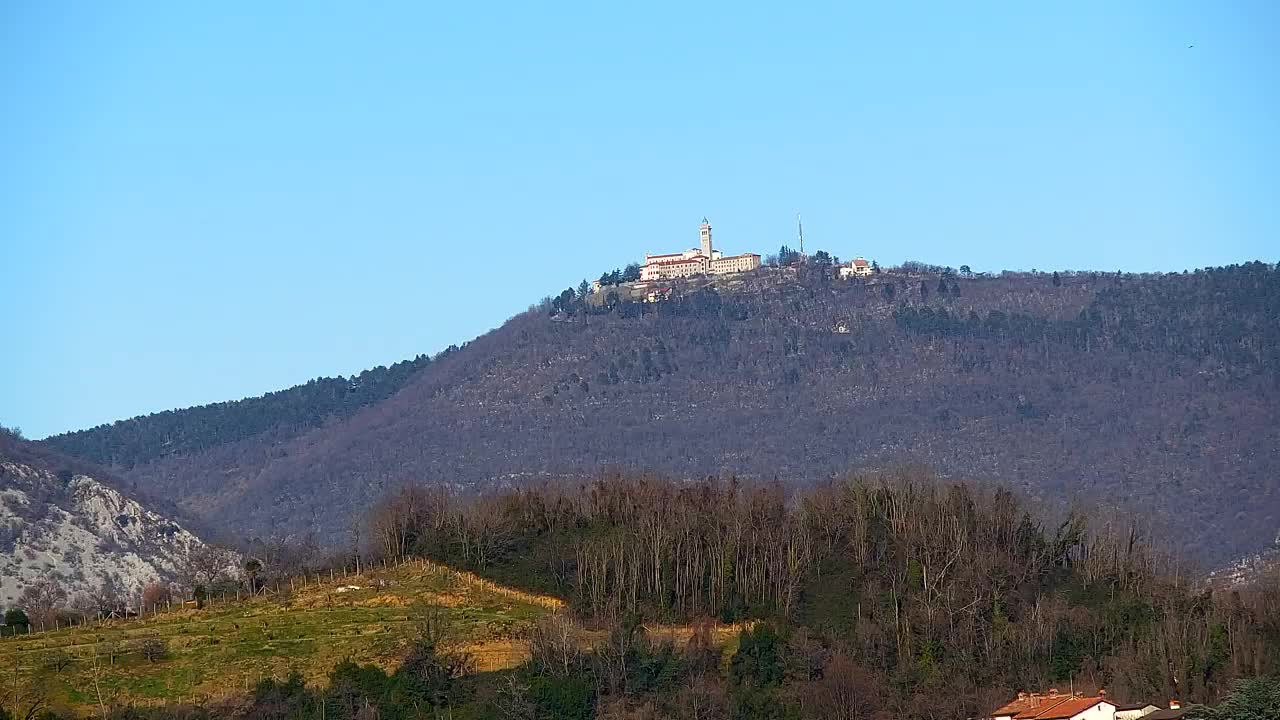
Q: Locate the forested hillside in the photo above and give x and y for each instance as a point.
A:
(889, 594)
(893, 589)
(283, 414)
(1154, 395)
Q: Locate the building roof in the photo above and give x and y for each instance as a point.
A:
(664, 255)
(1034, 706)
(1017, 705)
(1171, 714)
(859, 262)
(694, 259)
(1070, 708)
(1136, 706)
(1041, 704)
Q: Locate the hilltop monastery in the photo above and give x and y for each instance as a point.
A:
(702, 260)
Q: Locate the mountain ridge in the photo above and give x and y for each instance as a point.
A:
(1115, 391)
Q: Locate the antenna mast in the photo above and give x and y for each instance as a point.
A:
(800, 231)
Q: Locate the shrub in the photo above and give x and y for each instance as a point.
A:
(156, 594)
(57, 661)
(16, 618)
(154, 649)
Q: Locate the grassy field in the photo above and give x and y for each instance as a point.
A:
(224, 650)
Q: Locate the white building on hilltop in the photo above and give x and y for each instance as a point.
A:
(702, 260)
(858, 268)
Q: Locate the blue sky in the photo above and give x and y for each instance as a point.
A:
(204, 201)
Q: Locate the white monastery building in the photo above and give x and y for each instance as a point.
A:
(702, 260)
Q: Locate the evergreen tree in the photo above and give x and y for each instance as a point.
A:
(16, 618)
(1252, 699)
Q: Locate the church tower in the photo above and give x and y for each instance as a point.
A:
(704, 236)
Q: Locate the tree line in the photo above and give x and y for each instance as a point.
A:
(928, 586)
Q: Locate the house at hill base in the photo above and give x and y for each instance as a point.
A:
(1053, 705)
(702, 260)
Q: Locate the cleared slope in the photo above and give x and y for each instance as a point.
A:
(222, 651)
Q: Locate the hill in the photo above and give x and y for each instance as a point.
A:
(889, 594)
(215, 656)
(63, 530)
(1152, 395)
(223, 650)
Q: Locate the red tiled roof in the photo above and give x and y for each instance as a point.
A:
(677, 262)
(1043, 704)
(1015, 706)
(1073, 706)
(859, 263)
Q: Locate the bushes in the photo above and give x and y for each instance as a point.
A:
(16, 621)
(156, 595)
(154, 649)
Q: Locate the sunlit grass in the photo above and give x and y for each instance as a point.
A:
(226, 649)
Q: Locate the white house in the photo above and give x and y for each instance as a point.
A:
(1056, 706)
(858, 268)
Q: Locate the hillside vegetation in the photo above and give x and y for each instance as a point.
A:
(282, 414)
(928, 587)
(223, 651)
(1156, 395)
(886, 595)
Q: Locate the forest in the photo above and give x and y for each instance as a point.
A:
(283, 414)
(928, 587)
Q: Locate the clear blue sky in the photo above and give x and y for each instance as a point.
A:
(204, 201)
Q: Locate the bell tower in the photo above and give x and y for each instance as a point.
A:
(704, 237)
